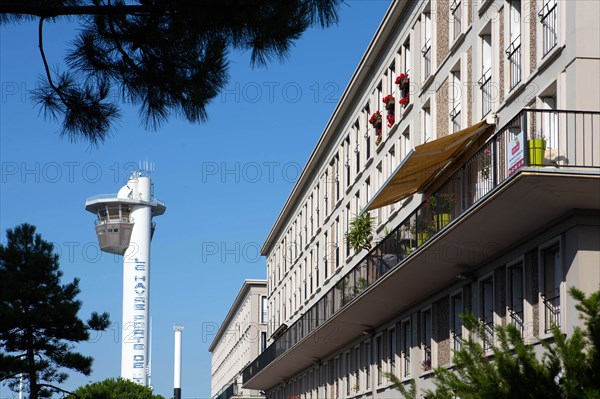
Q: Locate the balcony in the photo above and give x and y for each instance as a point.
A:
(499, 182)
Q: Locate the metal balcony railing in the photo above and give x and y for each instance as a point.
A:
(426, 51)
(485, 83)
(515, 312)
(514, 58)
(548, 19)
(455, 118)
(456, 11)
(490, 166)
(551, 301)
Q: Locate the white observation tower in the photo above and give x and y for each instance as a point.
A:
(124, 227)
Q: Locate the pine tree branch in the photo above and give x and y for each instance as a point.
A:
(49, 11)
(58, 389)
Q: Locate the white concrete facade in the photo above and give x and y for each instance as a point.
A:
(240, 339)
(467, 62)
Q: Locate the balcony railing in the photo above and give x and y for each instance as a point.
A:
(548, 18)
(456, 11)
(494, 163)
(551, 301)
(455, 118)
(457, 340)
(515, 312)
(426, 59)
(485, 83)
(488, 334)
(514, 58)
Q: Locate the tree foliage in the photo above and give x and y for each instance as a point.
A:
(360, 231)
(38, 315)
(114, 389)
(569, 367)
(169, 57)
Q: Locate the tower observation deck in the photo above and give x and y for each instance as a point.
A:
(124, 227)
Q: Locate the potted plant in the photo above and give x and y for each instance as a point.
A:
(422, 229)
(441, 205)
(389, 102)
(375, 120)
(537, 149)
(391, 119)
(485, 163)
(403, 81)
(404, 100)
(360, 233)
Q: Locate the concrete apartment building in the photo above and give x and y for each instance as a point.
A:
(483, 177)
(241, 338)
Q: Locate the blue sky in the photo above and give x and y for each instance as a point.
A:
(224, 183)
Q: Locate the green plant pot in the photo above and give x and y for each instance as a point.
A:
(422, 237)
(442, 220)
(537, 148)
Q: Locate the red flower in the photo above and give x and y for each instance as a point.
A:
(388, 98)
(404, 100)
(401, 77)
(391, 120)
(375, 118)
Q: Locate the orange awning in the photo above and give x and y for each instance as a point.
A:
(423, 163)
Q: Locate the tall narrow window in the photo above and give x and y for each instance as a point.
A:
(379, 358)
(485, 82)
(357, 147)
(427, 125)
(552, 277)
(426, 338)
(367, 363)
(391, 350)
(426, 51)
(406, 59)
(515, 295)
(263, 309)
(325, 256)
(513, 52)
(456, 17)
(549, 28)
(456, 91)
(405, 347)
(456, 303)
(486, 298)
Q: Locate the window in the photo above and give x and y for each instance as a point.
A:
(551, 279)
(456, 91)
(325, 255)
(456, 309)
(356, 364)
(367, 363)
(406, 60)
(549, 28)
(426, 51)
(347, 169)
(357, 147)
(406, 144)
(263, 341)
(427, 125)
(391, 165)
(513, 52)
(391, 350)
(514, 277)
(486, 302)
(263, 309)
(485, 82)
(406, 333)
(367, 137)
(347, 373)
(379, 358)
(455, 17)
(426, 338)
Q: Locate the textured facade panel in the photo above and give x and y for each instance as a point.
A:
(470, 85)
(532, 36)
(443, 30)
(442, 333)
(442, 109)
(501, 54)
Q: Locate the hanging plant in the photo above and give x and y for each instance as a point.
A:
(389, 102)
(403, 81)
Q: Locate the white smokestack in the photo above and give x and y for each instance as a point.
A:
(177, 364)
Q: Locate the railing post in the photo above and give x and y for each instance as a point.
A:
(525, 130)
